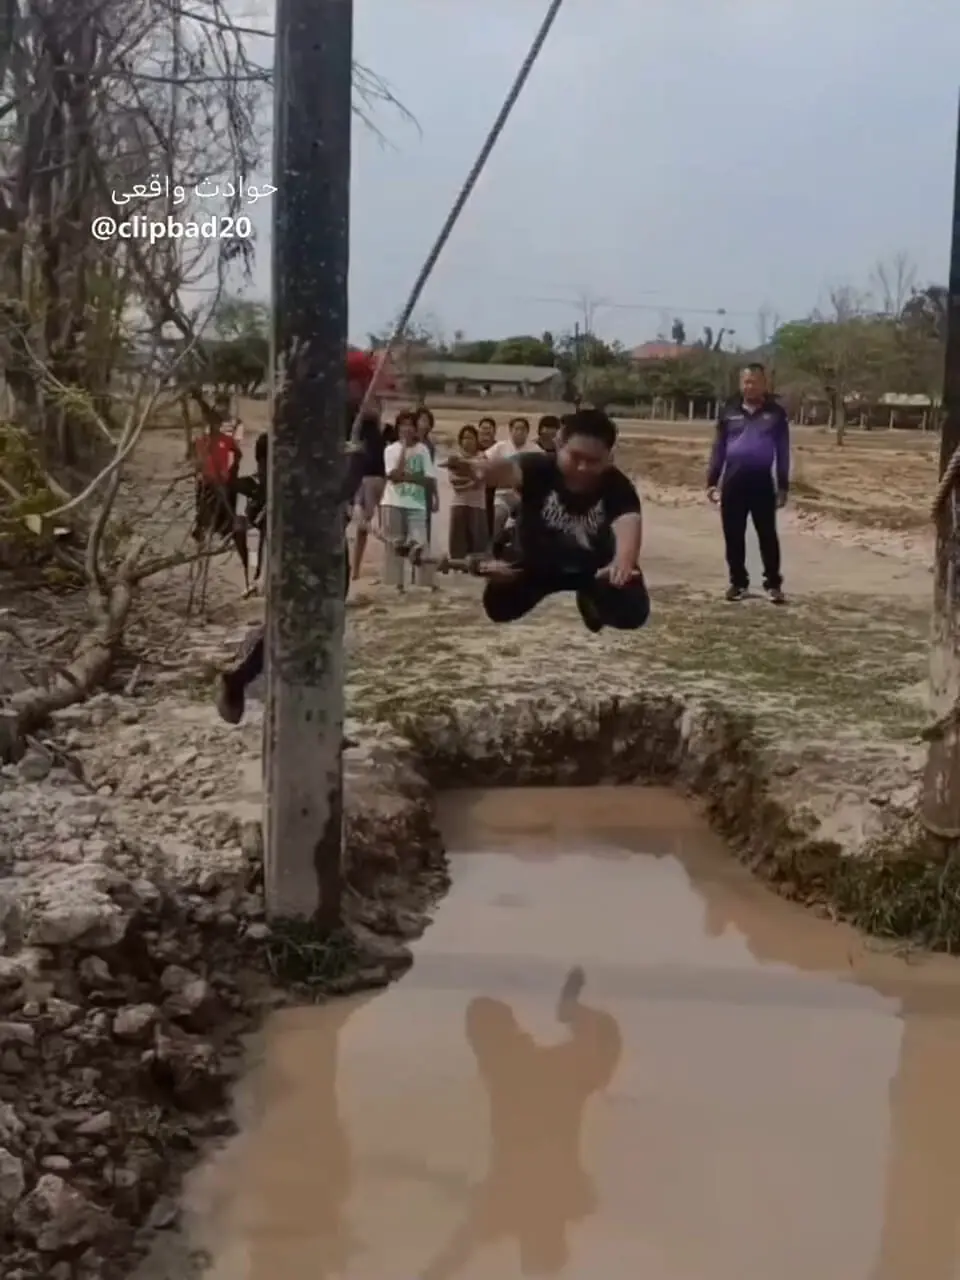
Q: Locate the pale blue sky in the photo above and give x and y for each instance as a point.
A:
(682, 155)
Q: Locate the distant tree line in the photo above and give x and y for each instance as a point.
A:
(864, 343)
(887, 337)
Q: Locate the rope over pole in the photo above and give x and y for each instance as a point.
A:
(458, 207)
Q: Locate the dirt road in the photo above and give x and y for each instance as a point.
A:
(684, 546)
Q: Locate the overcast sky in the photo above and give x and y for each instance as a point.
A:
(669, 156)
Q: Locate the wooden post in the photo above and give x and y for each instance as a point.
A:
(303, 773)
(941, 784)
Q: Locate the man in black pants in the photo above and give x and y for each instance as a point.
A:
(578, 528)
(749, 475)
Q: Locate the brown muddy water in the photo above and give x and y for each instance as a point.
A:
(740, 1091)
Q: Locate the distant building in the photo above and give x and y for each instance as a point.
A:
(897, 401)
(461, 378)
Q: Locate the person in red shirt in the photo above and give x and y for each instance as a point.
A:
(217, 462)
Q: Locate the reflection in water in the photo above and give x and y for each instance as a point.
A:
(536, 1185)
(751, 1108)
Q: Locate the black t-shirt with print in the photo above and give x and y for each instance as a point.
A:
(561, 530)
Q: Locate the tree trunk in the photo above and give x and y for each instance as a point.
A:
(29, 710)
(838, 413)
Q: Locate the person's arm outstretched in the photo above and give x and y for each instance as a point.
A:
(494, 473)
(626, 524)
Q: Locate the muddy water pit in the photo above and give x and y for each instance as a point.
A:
(741, 1091)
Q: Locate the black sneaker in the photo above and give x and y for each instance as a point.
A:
(735, 593)
(775, 595)
(589, 612)
(230, 700)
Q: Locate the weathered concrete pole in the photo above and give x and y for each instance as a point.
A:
(303, 770)
(941, 784)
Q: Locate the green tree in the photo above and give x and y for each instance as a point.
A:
(480, 352)
(852, 355)
(922, 340)
(237, 317)
(926, 311)
(524, 349)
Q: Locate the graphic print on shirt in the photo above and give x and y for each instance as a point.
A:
(580, 529)
(415, 464)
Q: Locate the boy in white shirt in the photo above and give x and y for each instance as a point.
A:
(506, 501)
(405, 506)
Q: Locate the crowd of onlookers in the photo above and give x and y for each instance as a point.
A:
(397, 498)
(401, 496)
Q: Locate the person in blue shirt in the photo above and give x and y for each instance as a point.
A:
(749, 476)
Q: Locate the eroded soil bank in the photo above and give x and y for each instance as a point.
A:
(135, 957)
(615, 1054)
(137, 954)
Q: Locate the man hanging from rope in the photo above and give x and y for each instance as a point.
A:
(579, 528)
(233, 684)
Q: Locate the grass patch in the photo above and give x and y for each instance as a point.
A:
(298, 956)
(903, 898)
(831, 662)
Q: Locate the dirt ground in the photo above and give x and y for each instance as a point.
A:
(882, 479)
(848, 656)
(857, 524)
(854, 636)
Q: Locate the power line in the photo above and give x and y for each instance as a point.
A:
(604, 305)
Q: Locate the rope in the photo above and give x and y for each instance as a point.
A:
(477, 566)
(459, 205)
(948, 482)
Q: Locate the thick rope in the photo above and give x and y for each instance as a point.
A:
(477, 566)
(948, 482)
(454, 215)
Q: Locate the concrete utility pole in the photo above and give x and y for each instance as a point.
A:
(303, 741)
(941, 783)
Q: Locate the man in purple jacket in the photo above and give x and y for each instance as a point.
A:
(749, 476)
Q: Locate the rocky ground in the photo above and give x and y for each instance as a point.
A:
(134, 954)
